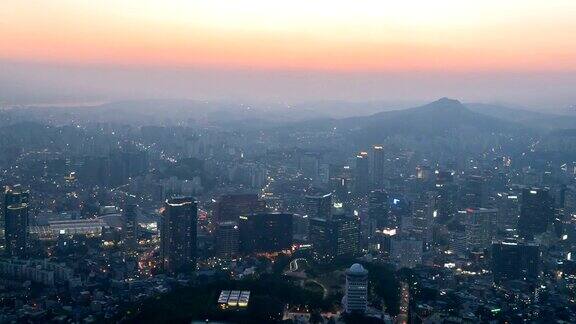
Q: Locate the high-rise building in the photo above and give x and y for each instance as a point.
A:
(378, 210)
(265, 232)
(323, 174)
(356, 292)
(512, 260)
(508, 205)
(227, 239)
(17, 230)
(422, 213)
(178, 234)
(335, 238)
(15, 221)
(446, 194)
(131, 227)
(229, 207)
(310, 165)
(343, 181)
(319, 205)
(383, 240)
(399, 212)
(377, 167)
(480, 228)
(457, 239)
(346, 236)
(319, 236)
(472, 192)
(570, 201)
(301, 227)
(362, 174)
(536, 212)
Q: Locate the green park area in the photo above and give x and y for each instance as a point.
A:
(320, 291)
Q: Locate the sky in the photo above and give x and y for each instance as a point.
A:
(523, 52)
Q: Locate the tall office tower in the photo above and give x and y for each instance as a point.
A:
(178, 235)
(457, 240)
(301, 227)
(319, 205)
(335, 238)
(378, 210)
(131, 227)
(536, 212)
(319, 237)
(323, 174)
(422, 209)
(383, 240)
(446, 194)
(356, 292)
(362, 174)
(227, 239)
(265, 232)
(480, 228)
(343, 182)
(472, 192)
(569, 215)
(229, 207)
(377, 167)
(15, 221)
(345, 236)
(17, 230)
(570, 201)
(399, 211)
(515, 261)
(310, 165)
(508, 205)
(406, 252)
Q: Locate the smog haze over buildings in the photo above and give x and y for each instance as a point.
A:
(287, 161)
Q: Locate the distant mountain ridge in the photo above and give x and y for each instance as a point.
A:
(436, 118)
(441, 116)
(527, 118)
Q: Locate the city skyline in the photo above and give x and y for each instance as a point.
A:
(303, 162)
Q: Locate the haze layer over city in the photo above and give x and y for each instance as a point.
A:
(287, 161)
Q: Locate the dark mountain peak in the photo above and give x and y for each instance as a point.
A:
(446, 100)
(446, 103)
(441, 117)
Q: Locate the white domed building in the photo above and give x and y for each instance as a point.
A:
(356, 295)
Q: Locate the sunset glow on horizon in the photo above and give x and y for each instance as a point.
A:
(445, 35)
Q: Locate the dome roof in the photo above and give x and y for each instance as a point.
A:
(357, 268)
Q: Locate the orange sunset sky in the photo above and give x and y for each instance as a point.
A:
(410, 36)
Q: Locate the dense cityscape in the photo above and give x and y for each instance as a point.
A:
(443, 213)
(295, 162)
